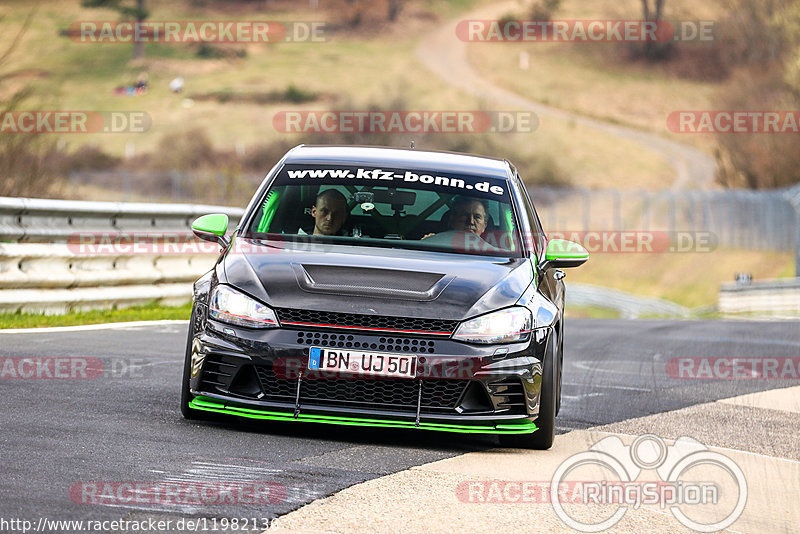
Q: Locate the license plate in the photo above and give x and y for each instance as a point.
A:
(362, 363)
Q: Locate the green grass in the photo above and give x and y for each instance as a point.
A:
(148, 312)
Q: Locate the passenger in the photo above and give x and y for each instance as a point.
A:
(329, 213)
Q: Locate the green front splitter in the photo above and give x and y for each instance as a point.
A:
(208, 404)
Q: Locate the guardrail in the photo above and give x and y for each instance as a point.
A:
(629, 306)
(45, 266)
(780, 298)
(48, 221)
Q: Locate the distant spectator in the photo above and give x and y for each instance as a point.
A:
(176, 85)
(140, 87)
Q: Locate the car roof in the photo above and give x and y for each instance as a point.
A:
(402, 158)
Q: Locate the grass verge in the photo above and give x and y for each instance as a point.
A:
(689, 279)
(148, 312)
(590, 312)
(348, 70)
(595, 79)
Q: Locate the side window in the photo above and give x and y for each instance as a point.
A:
(538, 235)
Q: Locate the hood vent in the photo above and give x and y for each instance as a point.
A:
(367, 282)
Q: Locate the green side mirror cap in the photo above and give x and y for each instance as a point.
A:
(212, 228)
(563, 253)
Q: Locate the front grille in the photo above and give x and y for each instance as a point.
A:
(353, 321)
(348, 341)
(276, 388)
(388, 394)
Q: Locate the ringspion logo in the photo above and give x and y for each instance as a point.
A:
(704, 490)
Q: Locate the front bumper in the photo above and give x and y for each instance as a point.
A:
(263, 374)
(208, 404)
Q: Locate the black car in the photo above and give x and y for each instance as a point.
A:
(383, 287)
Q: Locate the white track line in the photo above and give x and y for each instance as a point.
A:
(85, 327)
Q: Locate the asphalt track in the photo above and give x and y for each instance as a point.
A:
(125, 426)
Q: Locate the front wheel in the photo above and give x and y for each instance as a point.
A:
(545, 433)
(186, 395)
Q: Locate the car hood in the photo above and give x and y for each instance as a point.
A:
(378, 281)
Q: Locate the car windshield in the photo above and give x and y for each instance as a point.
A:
(381, 207)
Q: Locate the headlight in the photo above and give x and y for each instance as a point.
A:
(504, 326)
(230, 306)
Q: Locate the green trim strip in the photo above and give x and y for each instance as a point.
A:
(561, 249)
(510, 226)
(565, 255)
(268, 211)
(211, 405)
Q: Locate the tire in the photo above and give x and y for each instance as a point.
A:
(560, 364)
(186, 395)
(543, 438)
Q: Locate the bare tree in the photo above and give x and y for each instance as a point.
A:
(22, 155)
(135, 11)
(394, 9)
(654, 13)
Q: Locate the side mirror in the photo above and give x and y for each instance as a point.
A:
(563, 253)
(212, 228)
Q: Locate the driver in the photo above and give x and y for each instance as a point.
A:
(467, 215)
